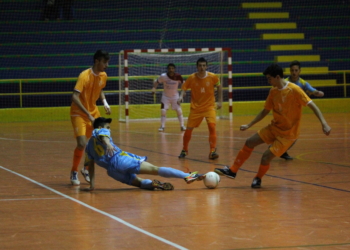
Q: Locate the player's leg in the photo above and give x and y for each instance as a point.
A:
(85, 170)
(279, 145)
(241, 157)
(285, 155)
(211, 122)
(164, 106)
(152, 185)
(148, 168)
(79, 126)
(175, 105)
(194, 120)
(133, 180)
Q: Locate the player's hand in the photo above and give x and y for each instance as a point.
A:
(179, 101)
(319, 93)
(326, 129)
(218, 105)
(153, 91)
(91, 118)
(110, 150)
(244, 127)
(107, 109)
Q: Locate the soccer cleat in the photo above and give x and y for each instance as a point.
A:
(256, 182)
(213, 155)
(86, 175)
(225, 171)
(162, 185)
(183, 154)
(183, 128)
(74, 178)
(286, 156)
(194, 176)
(161, 129)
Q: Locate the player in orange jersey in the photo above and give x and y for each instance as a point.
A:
(286, 101)
(295, 69)
(202, 85)
(83, 111)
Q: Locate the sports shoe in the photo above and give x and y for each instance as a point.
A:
(213, 155)
(183, 154)
(256, 182)
(194, 176)
(161, 129)
(74, 178)
(286, 156)
(225, 171)
(162, 185)
(183, 128)
(86, 175)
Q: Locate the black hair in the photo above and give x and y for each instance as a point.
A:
(101, 54)
(274, 70)
(170, 65)
(294, 63)
(202, 60)
(101, 121)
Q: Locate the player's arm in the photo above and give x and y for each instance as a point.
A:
(91, 165)
(312, 90)
(155, 85)
(105, 104)
(258, 118)
(326, 128)
(182, 95)
(76, 100)
(109, 147)
(219, 104)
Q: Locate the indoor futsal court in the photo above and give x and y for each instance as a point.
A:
(57, 53)
(303, 203)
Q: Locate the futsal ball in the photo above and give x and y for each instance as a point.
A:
(211, 180)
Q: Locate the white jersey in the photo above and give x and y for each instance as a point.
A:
(171, 84)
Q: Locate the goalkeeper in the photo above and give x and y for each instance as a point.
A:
(171, 81)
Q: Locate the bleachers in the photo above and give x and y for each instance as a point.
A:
(32, 48)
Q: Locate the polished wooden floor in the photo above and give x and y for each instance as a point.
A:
(303, 204)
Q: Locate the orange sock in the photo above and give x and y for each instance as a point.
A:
(212, 136)
(262, 170)
(187, 138)
(242, 156)
(78, 154)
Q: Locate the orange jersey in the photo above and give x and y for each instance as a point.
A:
(89, 85)
(202, 91)
(286, 104)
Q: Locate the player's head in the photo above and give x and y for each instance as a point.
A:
(171, 68)
(101, 60)
(294, 68)
(102, 122)
(273, 73)
(202, 64)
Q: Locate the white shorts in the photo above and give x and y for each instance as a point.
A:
(167, 101)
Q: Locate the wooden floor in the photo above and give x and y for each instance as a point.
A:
(303, 204)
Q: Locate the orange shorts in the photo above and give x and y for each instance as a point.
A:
(81, 126)
(195, 119)
(279, 144)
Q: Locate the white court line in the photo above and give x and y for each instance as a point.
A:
(99, 211)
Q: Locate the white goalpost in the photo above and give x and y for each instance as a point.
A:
(140, 67)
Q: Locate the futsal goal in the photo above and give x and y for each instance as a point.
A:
(140, 67)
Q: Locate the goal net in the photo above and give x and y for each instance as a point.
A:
(139, 68)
